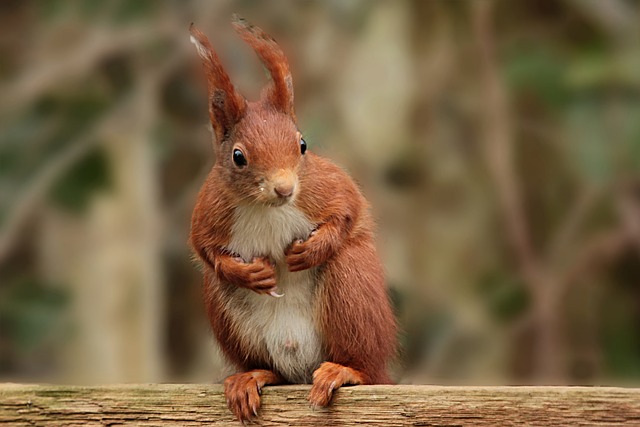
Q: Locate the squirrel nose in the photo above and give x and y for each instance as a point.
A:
(284, 190)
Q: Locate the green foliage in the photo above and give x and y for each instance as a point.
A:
(50, 9)
(30, 311)
(629, 129)
(93, 8)
(74, 190)
(538, 72)
(604, 132)
(505, 297)
(620, 336)
(34, 137)
(44, 131)
(590, 147)
(599, 69)
(425, 331)
(23, 130)
(120, 11)
(397, 300)
(134, 10)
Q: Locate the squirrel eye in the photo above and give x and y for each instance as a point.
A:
(238, 158)
(303, 146)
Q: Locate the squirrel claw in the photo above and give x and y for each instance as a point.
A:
(331, 387)
(275, 294)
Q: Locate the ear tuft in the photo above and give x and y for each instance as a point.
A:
(280, 94)
(242, 24)
(237, 19)
(201, 43)
(198, 46)
(226, 105)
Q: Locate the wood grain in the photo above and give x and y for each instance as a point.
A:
(200, 405)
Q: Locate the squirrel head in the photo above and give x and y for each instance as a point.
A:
(259, 149)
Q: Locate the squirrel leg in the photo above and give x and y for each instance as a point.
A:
(243, 391)
(356, 320)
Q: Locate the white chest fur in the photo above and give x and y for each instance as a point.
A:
(284, 328)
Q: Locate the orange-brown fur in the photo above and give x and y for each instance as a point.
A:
(351, 309)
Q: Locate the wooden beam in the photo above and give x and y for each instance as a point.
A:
(204, 405)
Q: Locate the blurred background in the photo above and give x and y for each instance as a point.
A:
(498, 141)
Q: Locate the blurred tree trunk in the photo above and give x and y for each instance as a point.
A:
(549, 354)
(115, 274)
(497, 134)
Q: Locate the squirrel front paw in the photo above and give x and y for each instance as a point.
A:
(242, 392)
(259, 275)
(302, 255)
(328, 378)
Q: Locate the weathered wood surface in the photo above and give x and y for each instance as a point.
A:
(204, 405)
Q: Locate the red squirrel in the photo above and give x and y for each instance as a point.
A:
(293, 286)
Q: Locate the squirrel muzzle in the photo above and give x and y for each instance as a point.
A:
(283, 184)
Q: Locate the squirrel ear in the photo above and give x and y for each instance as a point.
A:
(226, 105)
(280, 94)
